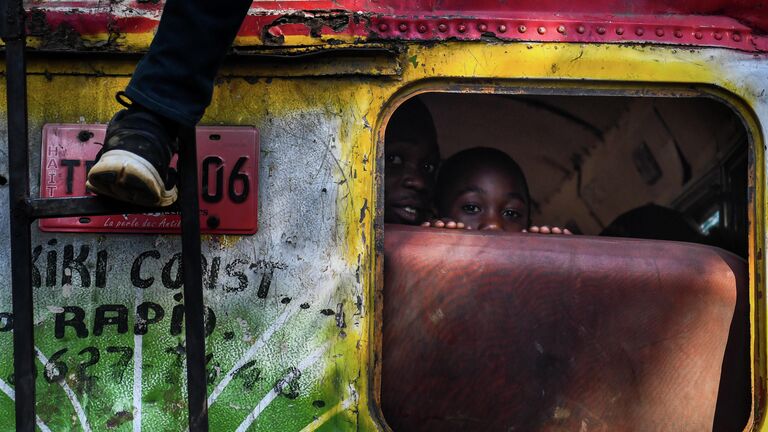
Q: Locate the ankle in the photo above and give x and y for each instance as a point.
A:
(171, 126)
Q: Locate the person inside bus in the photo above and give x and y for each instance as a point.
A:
(485, 189)
(411, 160)
(654, 222)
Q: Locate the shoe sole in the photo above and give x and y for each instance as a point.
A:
(128, 177)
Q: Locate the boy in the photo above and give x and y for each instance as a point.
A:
(411, 159)
(483, 188)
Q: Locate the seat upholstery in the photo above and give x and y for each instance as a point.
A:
(525, 332)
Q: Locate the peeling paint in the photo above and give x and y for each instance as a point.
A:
(300, 330)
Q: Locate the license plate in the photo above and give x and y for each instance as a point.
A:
(228, 181)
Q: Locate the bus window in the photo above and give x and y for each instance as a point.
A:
(639, 320)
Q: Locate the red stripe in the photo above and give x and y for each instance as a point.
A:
(739, 24)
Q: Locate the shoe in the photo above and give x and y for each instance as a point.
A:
(133, 164)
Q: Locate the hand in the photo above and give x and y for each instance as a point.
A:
(547, 230)
(444, 223)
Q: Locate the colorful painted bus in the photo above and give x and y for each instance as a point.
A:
(641, 119)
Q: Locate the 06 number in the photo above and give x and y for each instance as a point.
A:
(237, 183)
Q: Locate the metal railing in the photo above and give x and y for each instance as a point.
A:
(24, 210)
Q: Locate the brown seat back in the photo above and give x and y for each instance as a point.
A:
(529, 332)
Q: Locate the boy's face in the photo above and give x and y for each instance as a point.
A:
(487, 198)
(409, 181)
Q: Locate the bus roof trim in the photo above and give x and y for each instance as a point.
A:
(127, 25)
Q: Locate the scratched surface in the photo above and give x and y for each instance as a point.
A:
(292, 343)
(128, 25)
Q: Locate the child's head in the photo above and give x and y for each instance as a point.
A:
(411, 159)
(485, 189)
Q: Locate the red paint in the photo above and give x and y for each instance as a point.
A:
(62, 142)
(701, 31)
(739, 24)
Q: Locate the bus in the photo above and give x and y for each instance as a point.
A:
(639, 127)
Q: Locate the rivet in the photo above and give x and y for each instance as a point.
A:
(718, 35)
(698, 35)
(213, 222)
(482, 27)
(442, 27)
(601, 30)
(522, 28)
(541, 30)
(678, 34)
(84, 135)
(581, 29)
(736, 37)
(639, 31)
(619, 31)
(502, 28)
(659, 32)
(422, 28)
(383, 27)
(461, 28)
(561, 29)
(403, 27)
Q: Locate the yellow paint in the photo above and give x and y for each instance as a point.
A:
(362, 106)
(299, 40)
(321, 420)
(224, 241)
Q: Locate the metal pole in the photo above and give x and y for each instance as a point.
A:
(193, 287)
(12, 26)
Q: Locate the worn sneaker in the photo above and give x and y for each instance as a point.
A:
(133, 164)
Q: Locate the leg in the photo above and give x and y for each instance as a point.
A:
(175, 79)
(171, 86)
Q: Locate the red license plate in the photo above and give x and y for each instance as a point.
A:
(228, 159)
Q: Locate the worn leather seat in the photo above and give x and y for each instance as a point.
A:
(528, 332)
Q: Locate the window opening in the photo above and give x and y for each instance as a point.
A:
(483, 330)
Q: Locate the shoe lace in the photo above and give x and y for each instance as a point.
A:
(123, 99)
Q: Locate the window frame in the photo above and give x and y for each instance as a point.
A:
(755, 212)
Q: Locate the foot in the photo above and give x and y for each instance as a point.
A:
(133, 164)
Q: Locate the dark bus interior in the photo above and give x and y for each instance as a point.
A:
(638, 321)
(588, 160)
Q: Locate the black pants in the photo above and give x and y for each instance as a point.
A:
(175, 78)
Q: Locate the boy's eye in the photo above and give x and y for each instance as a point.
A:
(513, 214)
(429, 168)
(470, 208)
(394, 159)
